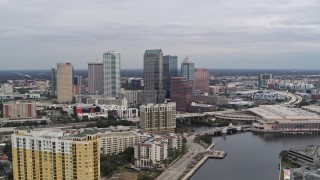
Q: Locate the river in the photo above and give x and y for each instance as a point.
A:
(250, 156)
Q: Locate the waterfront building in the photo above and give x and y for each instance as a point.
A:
(153, 76)
(53, 91)
(201, 80)
(181, 93)
(55, 154)
(95, 77)
(158, 118)
(187, 70)
(154, 150)
(305, 156)
(64, 82)
(170, 69)
(277, 118)
(19, 110)
(111, 74)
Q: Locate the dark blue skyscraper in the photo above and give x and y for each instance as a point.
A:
(170, 69)
(53, 82)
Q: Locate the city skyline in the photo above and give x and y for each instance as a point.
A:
(218, 34)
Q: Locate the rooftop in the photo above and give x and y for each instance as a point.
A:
(279, 113)
(85, 133)
(153, 51)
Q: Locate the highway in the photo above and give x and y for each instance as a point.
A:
(57, 126)
(179, 167)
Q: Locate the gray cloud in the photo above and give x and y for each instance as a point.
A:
(215, 33)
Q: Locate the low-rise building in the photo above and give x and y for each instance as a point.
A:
(117, 142)
(306, 156)
(154, 150)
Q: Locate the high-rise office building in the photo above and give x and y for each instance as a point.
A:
(53, 91)
(64, 82)
(111, 74)
(187, 70)
(153, 76)
(55, 154)
(201, 80)
(95, 77)
(181, 93)
(77, 85)
(158, 118)
(170, 69)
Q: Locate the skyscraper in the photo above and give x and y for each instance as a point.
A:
(153, 76)
(64, 82)
(55, 154)
(201, 80)
(53, 91)
(111, 74)
(170, 69)
(95, 77)
(187, 70)
(181, 93)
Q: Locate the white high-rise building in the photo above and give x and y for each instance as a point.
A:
(111, 74)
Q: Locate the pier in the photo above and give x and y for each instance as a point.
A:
(209, 154)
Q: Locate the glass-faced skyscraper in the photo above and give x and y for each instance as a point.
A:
(170, 69)
(111, 74)
(153, 76)
(53, 91)
(187, 70)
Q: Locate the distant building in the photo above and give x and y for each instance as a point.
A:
(181, 93)
(19, 109)
(153, 76)
(197, 108)
(95, 77)
(111, 74)
(134, 97)
(158, 118)
(55, 154)
(214, 90)
(64, 82)
(6, 89)
(201, 80)
(155, 149)
(212, 99)
(187, 70)
(264, 79)
(53, 91)
(170, 69)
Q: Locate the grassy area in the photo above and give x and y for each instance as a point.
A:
(286, 164)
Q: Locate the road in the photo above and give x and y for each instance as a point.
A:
(57, 126)
(179, 167)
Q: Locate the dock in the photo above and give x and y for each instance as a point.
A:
(216, 154)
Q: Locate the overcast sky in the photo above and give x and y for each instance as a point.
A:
(35, 34)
